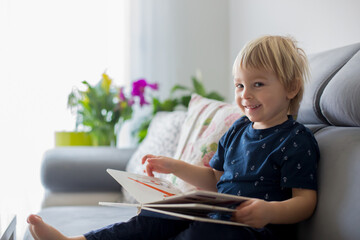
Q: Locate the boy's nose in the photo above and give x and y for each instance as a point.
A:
(246, 93)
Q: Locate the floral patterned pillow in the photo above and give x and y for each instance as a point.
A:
(206, 122)
(162, 139)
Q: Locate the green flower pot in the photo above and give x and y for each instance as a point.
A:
(72, 139)
(104, 136)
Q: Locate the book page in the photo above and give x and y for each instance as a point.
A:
(201, 218)
(192, 208)
(190, 211)
(143, 188)
(204, 197)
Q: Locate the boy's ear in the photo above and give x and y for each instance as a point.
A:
(293, 91)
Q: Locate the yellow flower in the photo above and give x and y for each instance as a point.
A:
(106, 82)
(123, 105)
(86, 100)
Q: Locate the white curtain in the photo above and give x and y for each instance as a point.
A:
(46, 48)
(153, 42)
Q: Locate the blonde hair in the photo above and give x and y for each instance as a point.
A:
(281, 56)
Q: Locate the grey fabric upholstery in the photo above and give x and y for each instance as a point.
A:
(337, 214)
(75, 221)
(340, 101)
(74, 169)
(323, 67)
(332, 101)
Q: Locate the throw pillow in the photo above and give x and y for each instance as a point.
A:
(206, 122)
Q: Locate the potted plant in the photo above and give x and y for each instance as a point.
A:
(101, 109)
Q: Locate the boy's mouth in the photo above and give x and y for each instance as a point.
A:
(251, 107)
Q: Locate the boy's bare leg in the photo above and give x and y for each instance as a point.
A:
(43, 231)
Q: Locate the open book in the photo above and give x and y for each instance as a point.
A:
(159, 195)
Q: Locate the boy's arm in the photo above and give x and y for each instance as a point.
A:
(257, 213)
(298, 208)
(205, 178)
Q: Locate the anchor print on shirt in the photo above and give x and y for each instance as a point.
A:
(266, 196)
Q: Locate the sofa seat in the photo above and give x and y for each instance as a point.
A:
(87, 218)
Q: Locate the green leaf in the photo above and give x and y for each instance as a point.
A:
(168, 105)
(142, 131)
(156, 105)
(87, 84)
(198, 87)
(185, 100)
(179, 87)
(214, 95)
(141, 135)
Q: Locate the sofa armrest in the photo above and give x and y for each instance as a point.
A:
(82, 169)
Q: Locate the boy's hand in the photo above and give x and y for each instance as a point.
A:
(158, 164)
(254, 212)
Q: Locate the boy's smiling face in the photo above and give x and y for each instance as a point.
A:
(262, 97)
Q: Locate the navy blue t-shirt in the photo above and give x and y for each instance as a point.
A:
(266, 163)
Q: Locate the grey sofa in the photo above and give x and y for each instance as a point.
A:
(330, 108)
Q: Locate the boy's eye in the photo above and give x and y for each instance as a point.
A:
(239, 85)
(258, 84)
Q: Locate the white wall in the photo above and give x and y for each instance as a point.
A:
(209, 53)
(175, 38)
(318, 25)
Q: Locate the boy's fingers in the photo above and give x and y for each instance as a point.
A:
(33, 219)
(241, 213)
(243, 210)
(144, 158)
(149, 171)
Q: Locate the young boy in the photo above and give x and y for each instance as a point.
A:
(265, 155)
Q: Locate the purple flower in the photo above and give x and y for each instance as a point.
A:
(131, 102)
(139, 90)
(153, 86)
(121, 95)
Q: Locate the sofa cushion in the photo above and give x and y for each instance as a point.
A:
(206, 121)
(323, 67)
(340, 101)
(337, 213)
(162, 139)
(67, 169)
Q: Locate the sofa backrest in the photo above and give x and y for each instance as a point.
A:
(331, 109)
(333, 95)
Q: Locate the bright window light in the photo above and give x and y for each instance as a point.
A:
(46, 48)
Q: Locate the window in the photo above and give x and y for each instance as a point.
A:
(46, 48)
